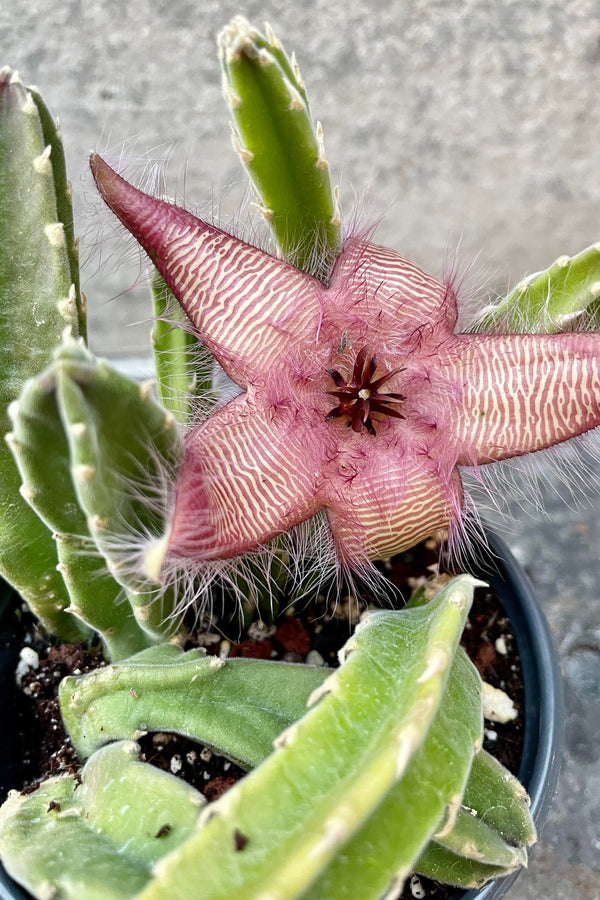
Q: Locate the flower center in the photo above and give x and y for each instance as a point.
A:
(360, 397)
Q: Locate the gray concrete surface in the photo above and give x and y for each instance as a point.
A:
(475, 122)
(560, 555)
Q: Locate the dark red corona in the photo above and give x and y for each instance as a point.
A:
(360, 397)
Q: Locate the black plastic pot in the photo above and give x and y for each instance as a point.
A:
(544, 715)
(543, 729)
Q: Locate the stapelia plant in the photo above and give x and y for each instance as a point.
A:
(358, 402)
(374, 349)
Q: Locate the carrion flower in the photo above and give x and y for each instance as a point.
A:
(358, 399)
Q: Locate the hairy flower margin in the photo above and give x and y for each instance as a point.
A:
(382, 465)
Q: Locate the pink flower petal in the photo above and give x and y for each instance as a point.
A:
(521, 393)
(246, 477)
(390, 290)
(249, 307)
(385, 502)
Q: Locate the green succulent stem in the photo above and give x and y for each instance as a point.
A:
(41, 451)
(405, 727)
(552, 300)
(449, 868)
(430, 788)
(123, 447)
(164, 689)
(332, 768)
(279, 146)
(98, 600)
(500, 800)
(38, 301)
(180, 358)
(64, 202)
(97, 837)
(237, 707)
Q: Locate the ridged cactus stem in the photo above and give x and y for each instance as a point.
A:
(98, 600)
(178, 354)
(141, 808)
(46, 845)
(38, 301)
(471, 838)
(490, 834)
(238, 707)
(449, 868)
(279, 146)
(122, 447)
(484, 835)
(165, 689)
(553, 300)
(64, 202)
(96, 838)
(425, 799)
(500, 800)
(331, 769)
(127, 807)
(492, 831)
(41, 450)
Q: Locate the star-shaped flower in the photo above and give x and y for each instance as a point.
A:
(358, 397)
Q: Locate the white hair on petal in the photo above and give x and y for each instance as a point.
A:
(364, 215)
(299, 563)
(466, 548)
(103, 239)
(568, 471)
(108, 247)
(472, 283)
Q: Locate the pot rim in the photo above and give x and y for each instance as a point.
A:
(544, 717)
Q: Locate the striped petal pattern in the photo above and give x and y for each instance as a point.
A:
(246, 477)
(396, 500)
(521, 393)
(389, 287)
(284, 450)
(248, 306)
